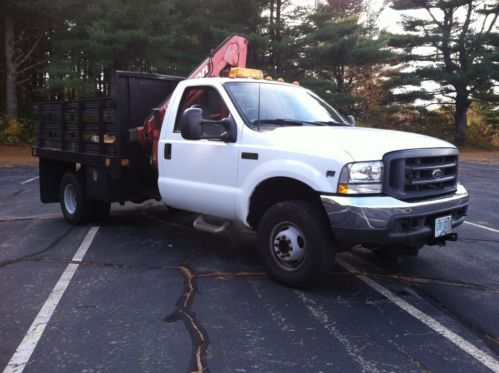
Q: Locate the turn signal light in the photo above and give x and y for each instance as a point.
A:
(343, 188)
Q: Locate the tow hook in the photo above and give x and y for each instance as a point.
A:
(440, 241)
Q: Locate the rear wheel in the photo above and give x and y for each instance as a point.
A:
(75, 206)
(295, 243)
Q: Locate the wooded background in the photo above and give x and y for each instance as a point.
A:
(439, 76)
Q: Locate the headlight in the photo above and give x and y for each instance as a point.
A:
(361, 178)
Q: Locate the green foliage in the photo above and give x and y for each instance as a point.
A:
(104, 35)
(21, 131)
(482, 130)
(415, 119)
(336, 50)
(205, 23)
(483, 126)
(166, 36)
(333, 49)
(454, 46)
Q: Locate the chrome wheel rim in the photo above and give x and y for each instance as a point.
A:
(70, 199)
(288, 246)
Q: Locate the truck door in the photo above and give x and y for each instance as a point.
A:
(199, 175)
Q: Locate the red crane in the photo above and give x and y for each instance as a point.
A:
(232, 52)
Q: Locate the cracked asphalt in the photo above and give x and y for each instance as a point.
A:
(153, 294)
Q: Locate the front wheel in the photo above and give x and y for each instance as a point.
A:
(295, 243)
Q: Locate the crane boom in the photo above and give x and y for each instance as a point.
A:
(232, 52)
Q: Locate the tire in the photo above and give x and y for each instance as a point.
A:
(101, 210)
(295, 243)
(76, 207)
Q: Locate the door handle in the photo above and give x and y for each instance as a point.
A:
(168, 151)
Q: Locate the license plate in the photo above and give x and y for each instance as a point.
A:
(443, 226)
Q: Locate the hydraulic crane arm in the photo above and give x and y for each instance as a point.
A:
(232, 52)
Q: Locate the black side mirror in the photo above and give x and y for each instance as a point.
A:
(351, 120)
(194, 127)
(190, 124)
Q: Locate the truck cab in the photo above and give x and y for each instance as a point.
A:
(280, 160)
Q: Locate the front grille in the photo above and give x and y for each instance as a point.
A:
(420, 173)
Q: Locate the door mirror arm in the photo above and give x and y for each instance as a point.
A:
(230, 134)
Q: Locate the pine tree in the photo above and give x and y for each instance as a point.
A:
(338, 52)
(455, 45)
(101, 36)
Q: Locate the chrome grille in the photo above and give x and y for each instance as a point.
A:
(420, 173)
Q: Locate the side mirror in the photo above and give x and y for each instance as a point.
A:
(194, 127)
(351, 120)
(190, 124)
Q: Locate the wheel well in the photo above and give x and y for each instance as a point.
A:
(275, 190)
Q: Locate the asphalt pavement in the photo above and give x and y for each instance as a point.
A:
(145, 291)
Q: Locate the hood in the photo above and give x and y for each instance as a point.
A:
(362, 144)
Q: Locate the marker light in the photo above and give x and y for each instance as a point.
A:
(242, 72)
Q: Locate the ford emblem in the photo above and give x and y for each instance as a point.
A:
(437, 173)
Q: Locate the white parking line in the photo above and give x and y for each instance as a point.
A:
(484, 358)
(23, 353)
(482, 226)
(27, 181)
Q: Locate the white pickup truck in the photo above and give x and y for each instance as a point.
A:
(281, 161)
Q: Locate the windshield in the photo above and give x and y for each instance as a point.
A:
(264, 104)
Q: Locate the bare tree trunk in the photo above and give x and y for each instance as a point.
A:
(11, 79)
(460, 117)
(272, 37)
(278, 38)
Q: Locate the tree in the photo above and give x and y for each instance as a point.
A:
(171, 36)
(206, 23)
(339, 51)
(24, 33)
(95, 38)
(455, 46)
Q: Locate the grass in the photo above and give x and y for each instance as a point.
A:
(16, 155)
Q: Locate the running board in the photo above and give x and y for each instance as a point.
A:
(201, 224)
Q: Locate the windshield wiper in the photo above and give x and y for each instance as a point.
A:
(286, 122)
(329, 123)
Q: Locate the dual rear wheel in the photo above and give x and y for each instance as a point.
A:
(76, 207)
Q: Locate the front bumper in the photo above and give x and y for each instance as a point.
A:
(384, 221)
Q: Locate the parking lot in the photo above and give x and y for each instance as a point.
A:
(145, 291)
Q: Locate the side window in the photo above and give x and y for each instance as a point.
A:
(205, 98)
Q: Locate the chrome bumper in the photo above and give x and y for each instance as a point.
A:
(383, 220)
